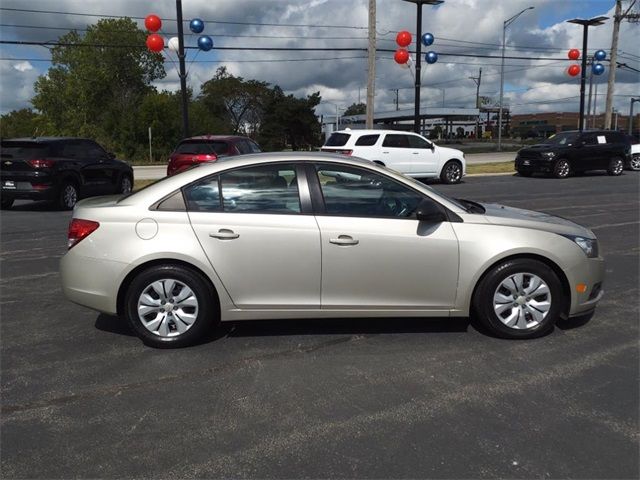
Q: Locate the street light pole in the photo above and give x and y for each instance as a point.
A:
(419, 3)
(583, 75)
(505, 24)
(183, 73)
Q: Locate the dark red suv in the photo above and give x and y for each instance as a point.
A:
(208, 148)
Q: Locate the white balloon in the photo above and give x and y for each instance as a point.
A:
(174, 44)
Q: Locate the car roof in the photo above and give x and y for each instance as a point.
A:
(43, 139)
(215, 137)
(369, 131)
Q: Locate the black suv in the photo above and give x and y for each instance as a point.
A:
(574, 152)
(60, 170)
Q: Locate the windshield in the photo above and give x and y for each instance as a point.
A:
(562, 139)
(24, 150)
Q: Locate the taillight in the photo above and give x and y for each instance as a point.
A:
(79, 229)
(41, 163)
(209, 157)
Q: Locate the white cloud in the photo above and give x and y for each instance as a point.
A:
(23, 66)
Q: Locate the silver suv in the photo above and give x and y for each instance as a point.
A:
(405, 152)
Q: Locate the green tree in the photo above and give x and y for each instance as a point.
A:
(97, 82)
(22, 123)
(355, 109)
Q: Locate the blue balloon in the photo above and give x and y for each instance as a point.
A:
(600, 55)
(427, 39)
(205, 43)
(597, 69)
(431, 57)
(196, 25)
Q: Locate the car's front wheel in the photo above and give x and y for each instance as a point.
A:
(519, 298)
(451, 172)
(616, 166)
(170, 306)
(634, 164)
(562, 169)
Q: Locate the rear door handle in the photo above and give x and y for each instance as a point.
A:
(344, 240)
(224, 234)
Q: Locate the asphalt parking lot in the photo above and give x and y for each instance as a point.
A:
(83, 397)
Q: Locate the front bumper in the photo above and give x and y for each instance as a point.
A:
(543, 165)
(590, 273)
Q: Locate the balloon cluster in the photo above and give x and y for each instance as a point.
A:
(596, 68)
(155, 41)
(404, 39)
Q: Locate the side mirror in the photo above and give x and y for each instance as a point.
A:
(430, 211)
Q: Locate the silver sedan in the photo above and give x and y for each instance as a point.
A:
(304, 235)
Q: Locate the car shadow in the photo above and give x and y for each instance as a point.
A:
(333, 326)
(38, 206)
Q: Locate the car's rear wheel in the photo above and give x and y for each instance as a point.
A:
(68, 196)
(6, 203)
(562, 169)
(170, 306)
(519, 298)
(616, 166)
(451, 172)
(634, 164)
(125, 184)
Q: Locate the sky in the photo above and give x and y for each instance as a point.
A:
(463, 29)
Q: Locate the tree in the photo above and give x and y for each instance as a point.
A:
(97, 82)
(355, 109)
(22, 123)
(238, 99)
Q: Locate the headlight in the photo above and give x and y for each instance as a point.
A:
(588, 245)
(548, 155)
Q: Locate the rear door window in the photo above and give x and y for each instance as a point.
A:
(337, 140)
(393, 140)
(367, 140)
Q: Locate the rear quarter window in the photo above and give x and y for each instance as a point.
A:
(367, 140)
(337, 140)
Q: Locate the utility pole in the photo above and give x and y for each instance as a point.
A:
(371, 74)
(617, 18)
(183, 73)
(397, 100)
(477, 80)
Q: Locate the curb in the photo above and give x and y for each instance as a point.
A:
(502, 174)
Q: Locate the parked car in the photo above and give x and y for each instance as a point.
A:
(634, 160)
(60, 170)
(295, 235)
(570, 152)
(405, 152)
(208, 148)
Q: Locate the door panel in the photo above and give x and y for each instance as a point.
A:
(396, 153)
(396, 263)
(274, 262)
(424, 158)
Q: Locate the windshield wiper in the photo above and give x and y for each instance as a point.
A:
(472, 207)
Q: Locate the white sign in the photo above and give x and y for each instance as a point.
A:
(601, 139)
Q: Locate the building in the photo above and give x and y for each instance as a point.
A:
(547, 123)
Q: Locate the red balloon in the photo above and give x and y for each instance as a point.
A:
(573, 70)
(403, 38)
(155, 42)
(401, 56)
(152, 23)
(574, 54)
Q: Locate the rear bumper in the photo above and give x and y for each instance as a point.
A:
(28, 186)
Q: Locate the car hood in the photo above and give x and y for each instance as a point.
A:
(450, 152)
(542, 147)
(518, 217)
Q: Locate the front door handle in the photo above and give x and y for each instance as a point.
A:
(344, 240)
(224, 234)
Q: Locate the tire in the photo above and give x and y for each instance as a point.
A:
(176, 324)
(616, 167)
(523, 173)
(562, 169)
(126, 185)
(451, 172)
(634, 163)
(68, 195)
(6, 203)
(523, 316)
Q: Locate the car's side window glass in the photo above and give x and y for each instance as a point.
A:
(367, 140)
(394, 140)
(242, 147)
(589, 139)
(418, 142)
(93, 150)
(263, 189)
(72, 149)
(356, 192)
(203, 196)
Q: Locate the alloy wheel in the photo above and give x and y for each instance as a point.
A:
(125, 185)
(617, 167)
(69, 196)
(562, 169)
(453, 172)
(522, 301)
(635, 162)
(167, 307)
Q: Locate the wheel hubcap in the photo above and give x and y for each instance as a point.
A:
(563, 169)
(635, 162)
(167, 308)
(453, 173)
(617, 168)
(70, 196)
(126, 185)
(522, 301)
